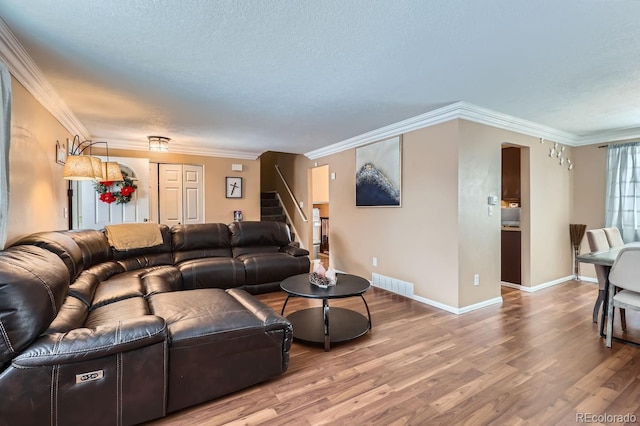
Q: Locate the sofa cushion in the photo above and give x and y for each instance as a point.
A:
(84, 288)
(215, 328)
(272, 267)
(254, 237)
(72, 315)
(93, 245)
(60, 244)
(218, 272)
(206, 314)
(118, 287)
(106, 270)
(33, 286)
(138, 283)
(161, 279)
(116, 311)
(196, 241)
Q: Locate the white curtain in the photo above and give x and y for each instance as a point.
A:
(5, 139)
(623, 190)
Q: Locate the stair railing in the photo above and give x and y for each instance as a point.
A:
(293, 197)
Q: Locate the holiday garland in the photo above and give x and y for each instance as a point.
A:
(107, 195)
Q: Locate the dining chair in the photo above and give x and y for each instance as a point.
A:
(597, 240)
(613, 236)
(624, 276)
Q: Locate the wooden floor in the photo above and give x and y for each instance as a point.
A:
(537, 359)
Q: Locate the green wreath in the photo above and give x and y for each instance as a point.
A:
(107, 195)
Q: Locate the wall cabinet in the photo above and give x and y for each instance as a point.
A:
(511, 174)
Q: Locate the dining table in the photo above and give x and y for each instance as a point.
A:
(606, 258)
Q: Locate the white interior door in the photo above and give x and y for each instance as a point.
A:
(170, 197)
(95, 214)
(193, 208)
(153, 193)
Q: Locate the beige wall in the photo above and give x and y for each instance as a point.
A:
(320, 184)
(218, 208)
(38, 194)
(443, 235)
(267, 172)
(411, 240)
(479, 243)
(546, 207)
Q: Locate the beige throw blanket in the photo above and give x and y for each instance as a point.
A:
(128, 236)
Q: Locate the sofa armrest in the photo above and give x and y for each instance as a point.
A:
(83, 344)
(271, 319)
(294, 251)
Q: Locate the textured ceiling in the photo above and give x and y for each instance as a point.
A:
(296, 76)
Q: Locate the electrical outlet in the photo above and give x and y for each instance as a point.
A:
(374, 261)
(476, 279)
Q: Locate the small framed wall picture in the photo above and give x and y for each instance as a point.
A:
(61, 153)
(233, 187)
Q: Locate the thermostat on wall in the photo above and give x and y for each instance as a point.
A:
(236, 167)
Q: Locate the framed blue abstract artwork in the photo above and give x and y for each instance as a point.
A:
(379, 174)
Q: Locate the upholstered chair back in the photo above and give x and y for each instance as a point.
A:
(597, 240)
(625, 270)
(613, 237)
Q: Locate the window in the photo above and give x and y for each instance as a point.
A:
(623, 190)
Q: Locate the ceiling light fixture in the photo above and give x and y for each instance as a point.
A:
(158, 143)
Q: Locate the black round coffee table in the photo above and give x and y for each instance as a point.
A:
(322, 325)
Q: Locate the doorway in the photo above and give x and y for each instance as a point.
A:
(176, 193)
(320, 216)
(515, 213)
(92, 213)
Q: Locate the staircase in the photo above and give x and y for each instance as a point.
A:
(271, 209)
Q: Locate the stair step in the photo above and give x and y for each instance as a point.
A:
(275, 217)
(268, 196)
(272, 210)
(268, 211)
(266, 202)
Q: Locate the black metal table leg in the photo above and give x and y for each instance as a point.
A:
(325, 314)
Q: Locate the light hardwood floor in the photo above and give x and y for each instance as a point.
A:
(536, 359)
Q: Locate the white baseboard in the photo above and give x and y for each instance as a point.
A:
(445, 307)
(539, 286)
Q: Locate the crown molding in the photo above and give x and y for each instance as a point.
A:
(179, 148)
(471, 112)
(25, 70)
(454, 111)
(609, 136)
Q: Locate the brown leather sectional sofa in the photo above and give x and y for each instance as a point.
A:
(92, 335)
